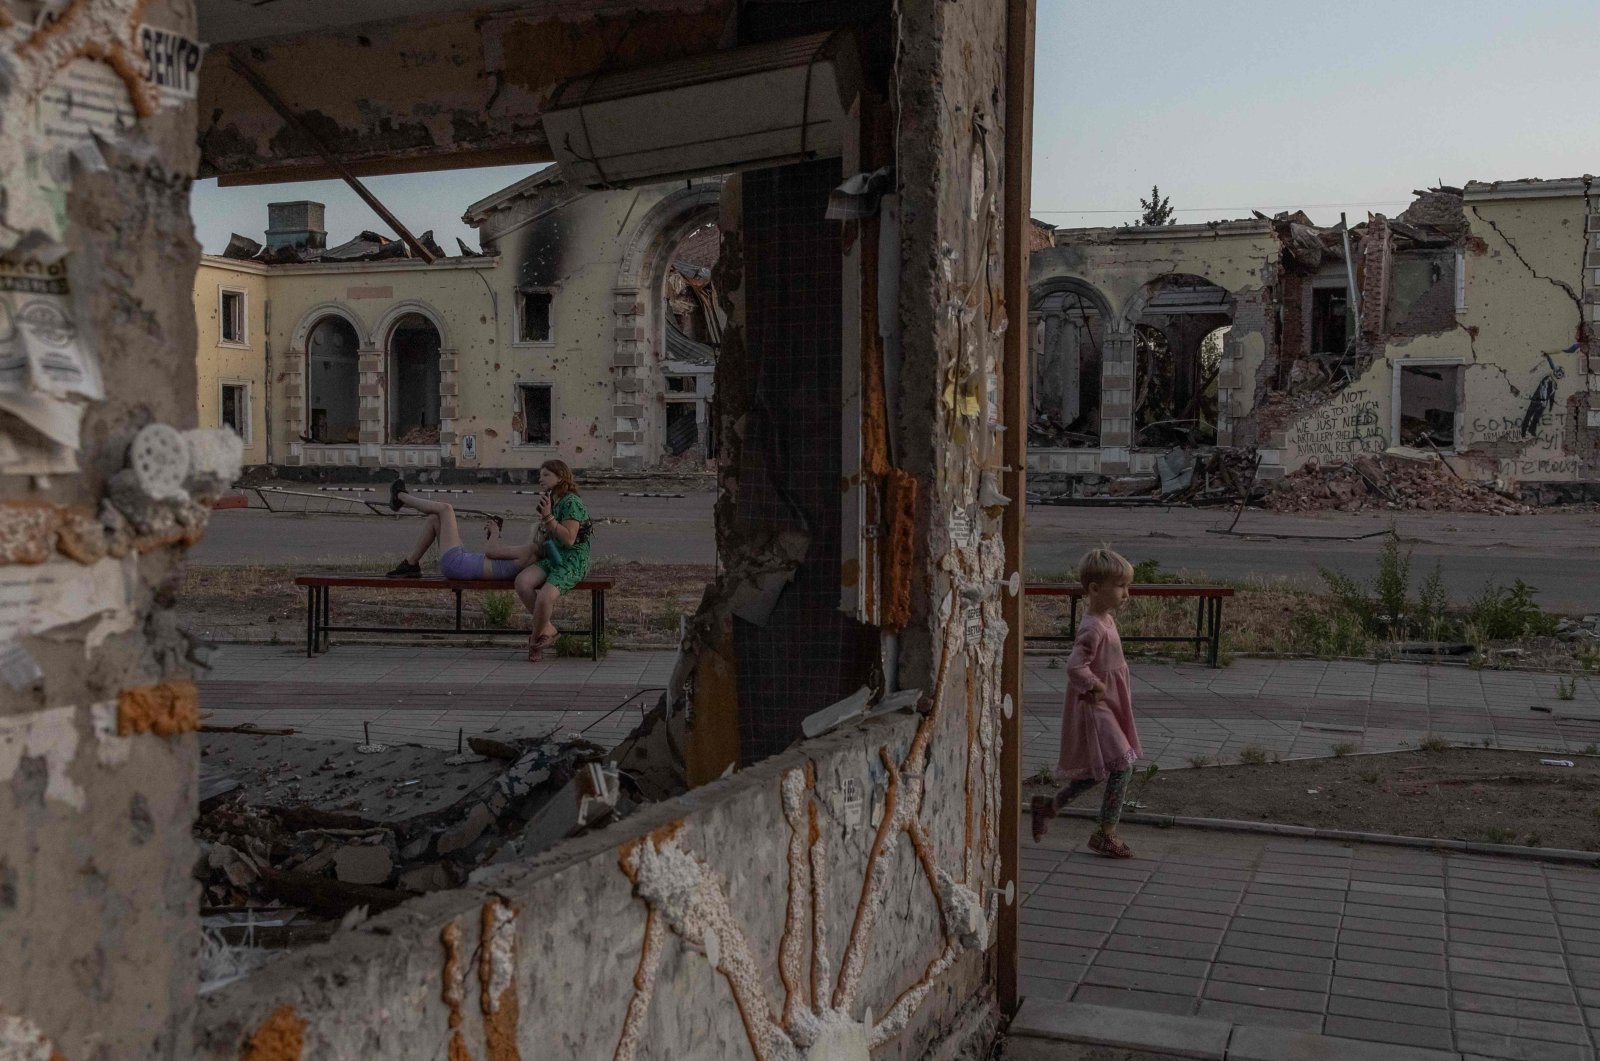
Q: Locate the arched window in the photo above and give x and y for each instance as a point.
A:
(333, 369)
(1177, 361)
(1068, 333)
(414, 381)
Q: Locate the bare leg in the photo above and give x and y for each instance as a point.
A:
(544, 607)
(430, 531)
(447, 533)
(526, 587)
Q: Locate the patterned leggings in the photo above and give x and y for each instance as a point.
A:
(1110, 806)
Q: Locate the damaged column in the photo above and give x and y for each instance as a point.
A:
(97, 709)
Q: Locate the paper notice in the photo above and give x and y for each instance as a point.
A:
(41, 597)
(47, 373)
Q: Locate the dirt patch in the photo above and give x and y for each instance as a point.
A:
(1460, 794)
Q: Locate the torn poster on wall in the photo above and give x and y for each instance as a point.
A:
(74, 75)
(47, 372)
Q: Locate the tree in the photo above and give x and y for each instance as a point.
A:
(1157, 210)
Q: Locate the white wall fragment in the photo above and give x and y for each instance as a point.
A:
(51, 735)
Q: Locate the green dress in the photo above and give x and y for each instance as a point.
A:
(574, 562)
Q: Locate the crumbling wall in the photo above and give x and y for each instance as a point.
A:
(97, 754)
(764, 915)
(1519, 336)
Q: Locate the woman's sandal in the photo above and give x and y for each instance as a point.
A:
(1104, 843)
(397, 488)
(499, 524)
(1043, 810)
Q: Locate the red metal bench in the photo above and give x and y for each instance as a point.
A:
(319, 608)
(1207, 622)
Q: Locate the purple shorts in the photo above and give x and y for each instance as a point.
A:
(460, 565)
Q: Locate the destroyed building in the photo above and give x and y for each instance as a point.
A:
(585, 327)
(842, 879)
(1461, 329)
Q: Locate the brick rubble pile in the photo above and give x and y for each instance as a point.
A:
(1385, 483)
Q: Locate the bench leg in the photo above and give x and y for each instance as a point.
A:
(597, 621)
(311, 621)
(326, 596)
(1072, 630)
(1216, 630)
(1201, 635)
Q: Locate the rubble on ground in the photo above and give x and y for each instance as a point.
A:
(295, 833)
(1386, 482)
(1584, 629)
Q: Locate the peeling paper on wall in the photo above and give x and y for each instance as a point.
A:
(47, 373)
(51, 735)
(39, 598)
(76, 74)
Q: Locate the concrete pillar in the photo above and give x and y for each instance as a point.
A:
(1116, 400)
(98, 756)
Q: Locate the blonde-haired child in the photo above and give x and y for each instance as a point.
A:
(1098, 738)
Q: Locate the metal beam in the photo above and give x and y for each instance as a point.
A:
(292, 120)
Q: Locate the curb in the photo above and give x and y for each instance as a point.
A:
(1168, 1036)
(1306, 832)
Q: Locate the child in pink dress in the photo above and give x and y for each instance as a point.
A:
(1098, 738)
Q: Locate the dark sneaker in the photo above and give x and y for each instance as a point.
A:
(397, 488)
(1043, 809)
(405, 569)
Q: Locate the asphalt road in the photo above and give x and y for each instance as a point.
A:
(1557, 553)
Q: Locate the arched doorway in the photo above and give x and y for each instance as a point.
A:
(333, 363)
(692, 325)
(1178, 358)
(1067, 343)
(414, 381)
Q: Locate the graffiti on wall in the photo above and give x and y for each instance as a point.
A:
(1346, 427)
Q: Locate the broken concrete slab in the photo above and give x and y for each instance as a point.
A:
(363, 864)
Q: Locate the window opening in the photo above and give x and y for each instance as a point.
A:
(533, 414)
(1330, 320)
(233, 316)
(680, 384)
(236, 409)
(1430, 402)
(535, 317)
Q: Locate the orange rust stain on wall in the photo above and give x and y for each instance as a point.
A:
(540, 55)
(502, 1014)
(901, 550)
(166, 710)
(75, 21)
(450, 936)
(654, 838)
(281, 1037)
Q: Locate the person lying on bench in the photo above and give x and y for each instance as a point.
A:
(498, 562)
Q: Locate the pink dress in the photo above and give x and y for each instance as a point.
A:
(1098, 738)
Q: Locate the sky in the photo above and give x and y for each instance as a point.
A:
(1228, 105)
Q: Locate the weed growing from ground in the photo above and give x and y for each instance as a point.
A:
(1434, 744)
(1344, 748)
(1197, 761)
(497, 607)
(1566, 689)
(1253, 755)
(1369, 776)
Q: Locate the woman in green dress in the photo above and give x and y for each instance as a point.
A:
(562, 545)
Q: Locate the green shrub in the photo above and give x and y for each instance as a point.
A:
(1148, 572)
(1434, 744)
(1197, 761)
(1344, 748)
(1502, 614)
(572, 646)
(1566, 690)
(497, 607)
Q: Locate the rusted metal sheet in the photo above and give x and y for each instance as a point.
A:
(464, 89)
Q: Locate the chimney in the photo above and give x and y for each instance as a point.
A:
(296, 224)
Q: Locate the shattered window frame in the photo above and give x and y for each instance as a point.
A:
(523, 336)
(521, 414)
(237, 317)
(242, 407)
(1453, 367)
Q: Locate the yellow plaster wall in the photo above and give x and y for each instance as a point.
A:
(217, 362)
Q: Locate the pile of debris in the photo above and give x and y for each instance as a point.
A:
(294, 834)
(1386, 482)
(1220, 476)
(1586, 629)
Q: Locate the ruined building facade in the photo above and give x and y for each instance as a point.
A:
(585, 329)
(1462, 327)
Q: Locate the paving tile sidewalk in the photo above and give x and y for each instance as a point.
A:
(430, 695)
(1295, 708)
(1491, 958)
